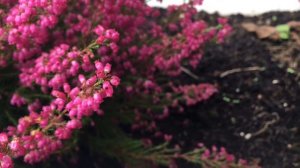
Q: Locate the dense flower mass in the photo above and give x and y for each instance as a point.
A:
(71, 55)
(74, 96)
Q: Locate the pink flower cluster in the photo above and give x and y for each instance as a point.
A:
(67, 77)
(74, 103)
(214, 157)
(78, 83)
(28, 23)
(193, 94)
(5, 161)
(17, 100)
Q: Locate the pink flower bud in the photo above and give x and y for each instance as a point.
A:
(97, 97)
(74, 92)
(63, 133)
(168, 138)
(58, 94)
(91, 81)
(112, 35)
(107, 68)
(14, 145)
(3, 138)
(99, 30)
(17, 100)
(74, 124)
(67, 88)
(100, 39)
(115, 81)
(6, 162)
(81, 78)
(99, 65)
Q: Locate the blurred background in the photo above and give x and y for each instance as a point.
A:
(246, 7)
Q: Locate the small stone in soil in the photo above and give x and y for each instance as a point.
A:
(275, 81)
(248, 136)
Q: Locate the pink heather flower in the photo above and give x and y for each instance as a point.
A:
(148, 84)
(108, 89)
(242, 162)
(23, 124)
(206, 154)
(3, 62)
(74, 124)
(100, 39)
(99, 66)
(81, 78)
(17, 100)
(112, 35)
(5, 161)
(91, 81)
(99, 30)
(74, 92)
(196, 93)
(224, 32)
(67, 88)
(35, 106)
(115, 81)
(222, 21)
(230, 158)
(58, 94)
(31, 28)
(168, 138)
(3, 138)
(63, 133)
(107, 68)
(14, 145)
(114, 47)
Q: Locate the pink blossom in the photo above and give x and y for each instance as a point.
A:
(17, 100)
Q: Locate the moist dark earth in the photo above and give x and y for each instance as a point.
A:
(256, 113)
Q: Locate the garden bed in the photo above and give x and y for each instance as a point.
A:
(255, 115)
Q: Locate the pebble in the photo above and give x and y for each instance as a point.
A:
(275, 81)
(248, 136)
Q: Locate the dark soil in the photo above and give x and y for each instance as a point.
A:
(256, 113)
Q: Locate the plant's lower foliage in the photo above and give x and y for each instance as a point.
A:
(64, 79)
(110, 140)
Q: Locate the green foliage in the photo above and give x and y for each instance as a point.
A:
(8, 82)
(284, 31)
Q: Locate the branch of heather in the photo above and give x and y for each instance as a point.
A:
(42, 40)
(40, 134)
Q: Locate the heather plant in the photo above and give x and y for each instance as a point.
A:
(63, 63)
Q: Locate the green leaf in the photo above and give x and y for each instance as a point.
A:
(291, 71)
(284, 31)
(226, 99)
